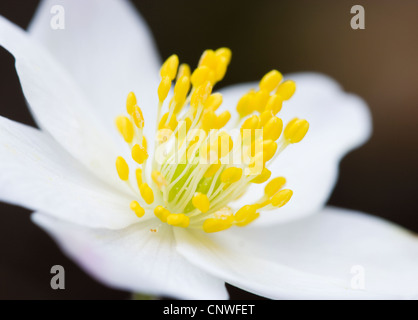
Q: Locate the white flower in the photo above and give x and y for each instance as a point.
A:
(75, 81)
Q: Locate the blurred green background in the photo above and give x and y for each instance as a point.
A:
(378, 63)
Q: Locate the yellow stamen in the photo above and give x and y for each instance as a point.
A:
(262, 177)
(201, 202)
(158, 179)
(223, 119)
(244, 106)
(269, 149)
(213, 102)
(164, 88)
(271, 80)
(218, 224)
(221, 67)
(273, 129)
(125, 128)
(161, 213)
(296, 130)
(286, 89)
(138, 175)
(169, 67)
(209, 120)
(274, 104)
(181, 89)
(265, 117)
(208, 59)
(224, 52)
(184, 70)
(212, 170)
(281, 198)
(122, 168)
(139, 153)
(130, 102)
(201, 94)
(201, 75)
(231, 175)
(178, 220)
(135, 207)
(138, 117)
(146, 193)
(246, 215)
(274, 186)
(260, 100)
(251, 123)
(170, 125)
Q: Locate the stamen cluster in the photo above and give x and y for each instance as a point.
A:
(198, 166)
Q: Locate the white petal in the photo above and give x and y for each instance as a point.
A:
(338, 121)
(134, 259)
(58, 105)
(108, 50)
(35, 172)
(320, 257)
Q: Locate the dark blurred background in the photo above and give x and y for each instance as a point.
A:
(378, 63)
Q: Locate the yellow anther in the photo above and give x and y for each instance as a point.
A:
(231, 175)
(218, 224)
(224, 52)
(122, 168)
(262, 177)
(221, 67)
(245, 215)
(161, 213)
(139, 154)
(274, 186)
(269, 149)
(212, 170)
(256, 164)
(251, 123)
(223, 119)
(177, 105)
(178, 220)
(213, 102)
(296, 130)
(170, 125)
(125, 128)
(281, 198)
(130, 102)
(286, 89)
(181, 89)
(270, 80)
(158, 179)
(260, 100)
(164, 88)
(138, 117)
(265, 117)
(146, 193)
(200, 75)
(144, 143)
(184, 71)
(273, 129)
(208, 59)
(169, 67)
(244, 106)
(209, 120)
(223, 145)
(135, 207)
(201, 94)
(201, 202)
(138, 175)
(274, 104)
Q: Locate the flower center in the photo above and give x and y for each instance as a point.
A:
(199, 166)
